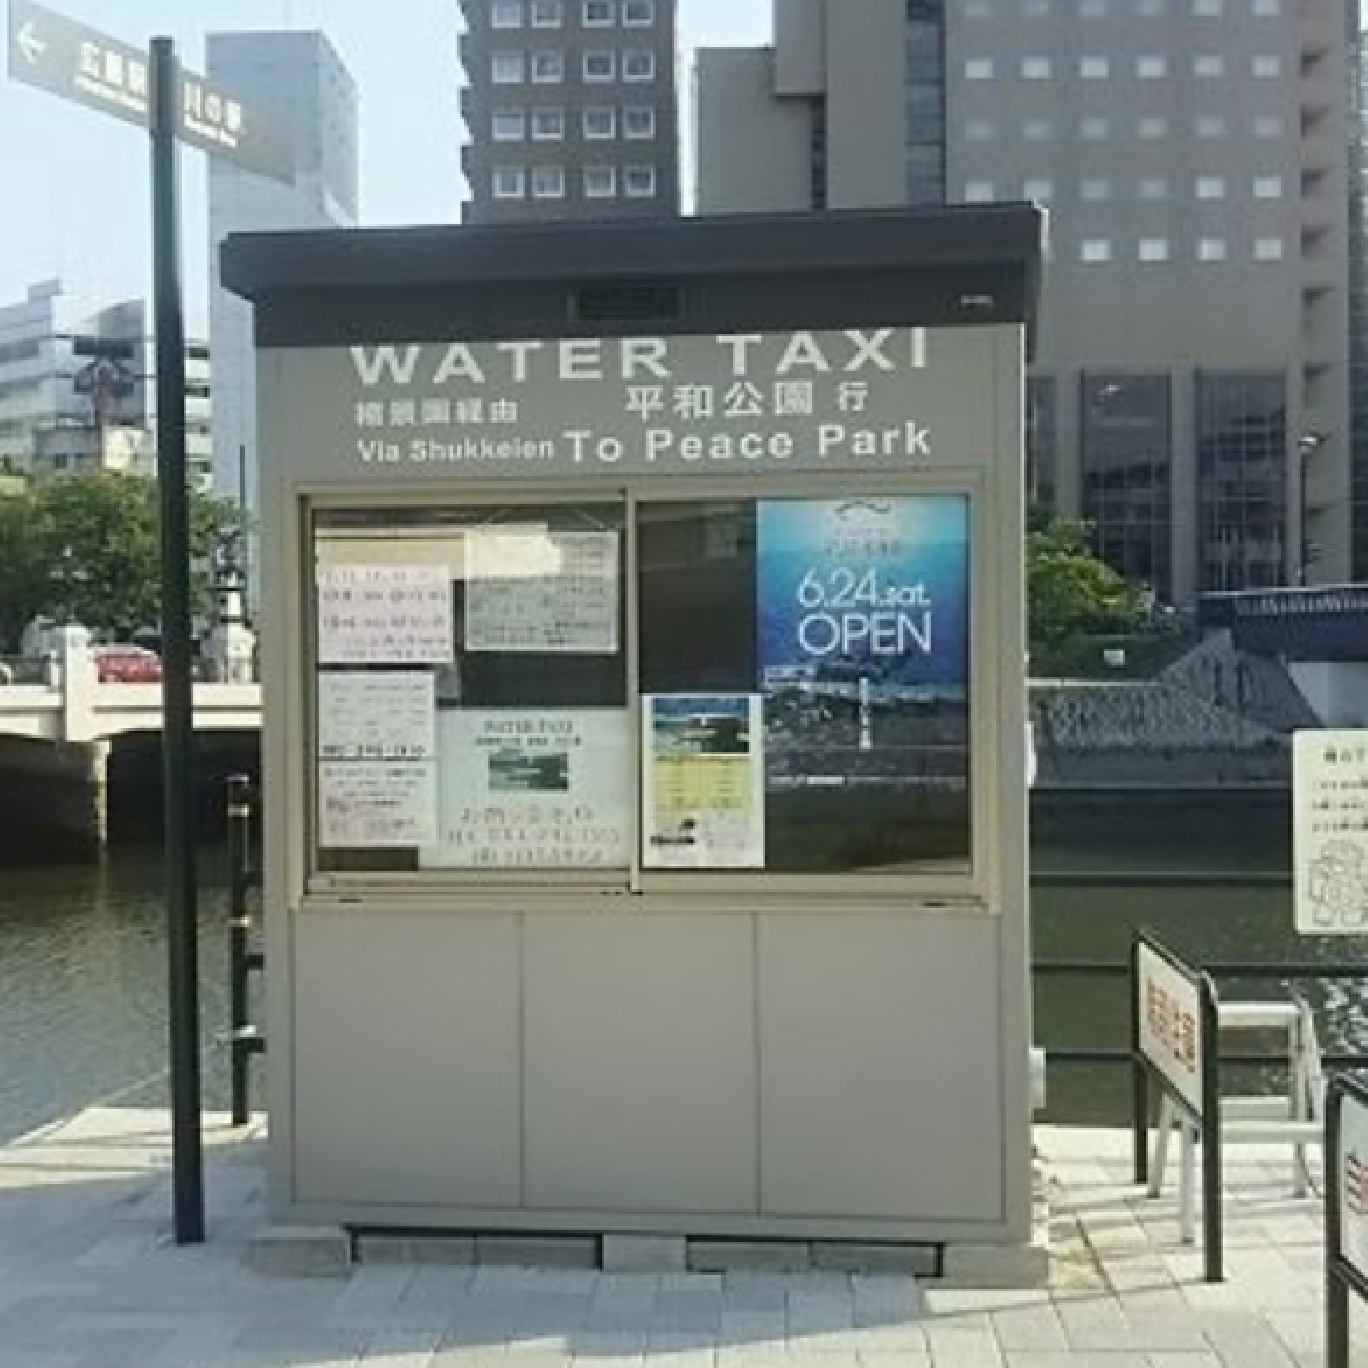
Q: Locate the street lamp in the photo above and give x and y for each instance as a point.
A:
(1307, 445)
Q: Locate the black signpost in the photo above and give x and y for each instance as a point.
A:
(52, 53)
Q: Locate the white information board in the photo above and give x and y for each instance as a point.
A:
(1353, 1182)
(1330, 832)
(385, 615)
(532, 788)
(532, 590)
(1171, 1025)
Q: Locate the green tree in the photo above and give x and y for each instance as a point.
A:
(1070, 592)
(88, 545)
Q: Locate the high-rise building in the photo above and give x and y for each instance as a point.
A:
(299, 83)
(78, 388)
(570, 109)
(1191, 390)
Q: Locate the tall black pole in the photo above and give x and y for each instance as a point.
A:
(178, 722)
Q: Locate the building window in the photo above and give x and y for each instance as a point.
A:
(978, 192)
(598, 13)
(1153, 249)
(600, 182)
(1151, 68)
(508, 125)
(1037, 130)
(638, 13)
(548, 182)
(1211, 249)
(1150, 9)
(1092, 9)
(1095, 188)
(1094, 129)
(547, 13)
(548, 124)
(1268, 187)
(1037, 9)
(600, 123)
(599, 67)
(1210, 126)
(1208, 66)
(1268, 249)
(978, 9)
(1041, 190)
(639, 66)
(1269, 126)
(1095, 250)
(548, 68)
(1040, 443)
(1206, 9)
(979, 130)
(1152, 129)
(1241, 480)
(1266, 9)
(506, 14)
(1127, 458)
(1153, 188)
(1094, 68)
(639, 182)
(508, 68)
(510, 182)
(1266, 66)
(1036, 69)
(978, 69)
(1210, 187)
(639, 123)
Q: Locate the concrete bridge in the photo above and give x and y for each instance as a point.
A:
(56, 735)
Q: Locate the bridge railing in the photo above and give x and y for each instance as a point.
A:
(15, 669)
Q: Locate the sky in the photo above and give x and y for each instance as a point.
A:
(76, 197)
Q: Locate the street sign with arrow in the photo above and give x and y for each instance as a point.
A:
(53, 53)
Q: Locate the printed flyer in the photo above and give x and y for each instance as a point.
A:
(377, 752)
(863, 651)
(385, 615)
(532, 788)
(703, 789)
(531, 590)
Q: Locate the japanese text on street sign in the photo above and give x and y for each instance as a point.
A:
(53, 53)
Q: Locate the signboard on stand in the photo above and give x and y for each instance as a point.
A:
(1330, 832)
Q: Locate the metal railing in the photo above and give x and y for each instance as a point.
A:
(244, 1038)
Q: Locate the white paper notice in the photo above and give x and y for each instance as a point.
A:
(1330, 832)
(377, 751)
(377, 716)
(528, 590)
(536, 788)
(385, 615)
(376, 803)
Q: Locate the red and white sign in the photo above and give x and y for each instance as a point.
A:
(1354, 1183)
(1171, 1025)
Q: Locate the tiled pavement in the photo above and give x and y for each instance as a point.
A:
(89, 1279)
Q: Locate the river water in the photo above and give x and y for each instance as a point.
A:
(83, 959)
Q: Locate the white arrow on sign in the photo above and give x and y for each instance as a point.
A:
(32, 45)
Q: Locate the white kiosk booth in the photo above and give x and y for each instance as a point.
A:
(644, 729)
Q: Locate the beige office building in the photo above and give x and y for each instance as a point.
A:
(1191, 391)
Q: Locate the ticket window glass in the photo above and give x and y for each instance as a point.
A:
(774, 686)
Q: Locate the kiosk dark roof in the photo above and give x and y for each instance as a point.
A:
(935, 267)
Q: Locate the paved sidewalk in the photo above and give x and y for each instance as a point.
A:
(89, 1278)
